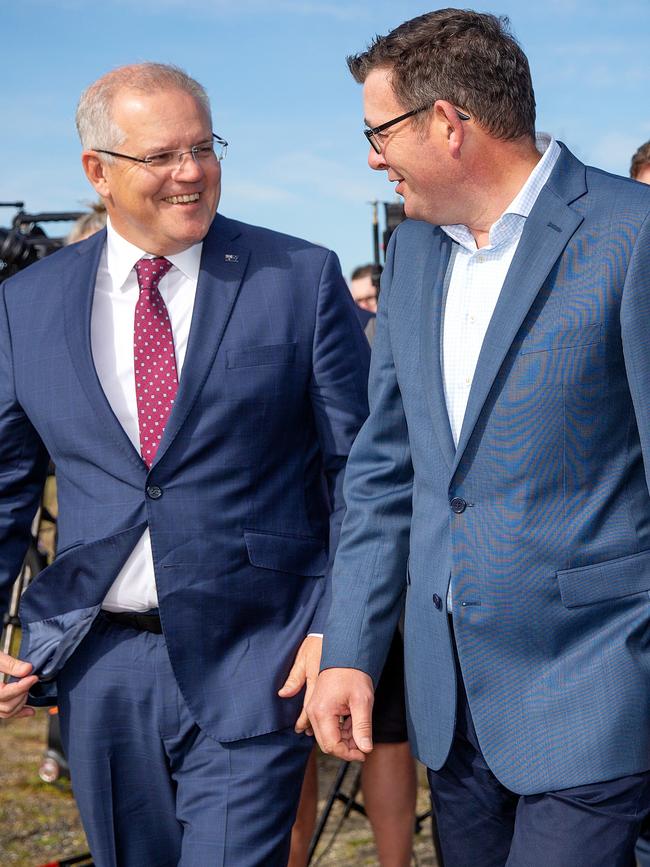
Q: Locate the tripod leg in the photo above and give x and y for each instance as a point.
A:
(327, 809)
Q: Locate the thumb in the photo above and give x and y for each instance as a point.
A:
(361, 714)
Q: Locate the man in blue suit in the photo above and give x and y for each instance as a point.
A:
(500, 483)
(198, 383)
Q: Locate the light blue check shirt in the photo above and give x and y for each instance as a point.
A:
(475, 283)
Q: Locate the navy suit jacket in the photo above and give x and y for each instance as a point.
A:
(540, 516)
(244, 498)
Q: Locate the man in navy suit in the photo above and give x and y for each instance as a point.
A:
(198, 383)
(500, 483)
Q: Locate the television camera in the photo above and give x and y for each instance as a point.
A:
(26, 241)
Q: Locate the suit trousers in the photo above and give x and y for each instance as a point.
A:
(481, 823)
(152, 788)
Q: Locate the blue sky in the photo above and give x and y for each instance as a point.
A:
(283, 97)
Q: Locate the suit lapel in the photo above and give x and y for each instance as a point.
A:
(548, 229)
(223, 263)
(433, 300)
(78, 303)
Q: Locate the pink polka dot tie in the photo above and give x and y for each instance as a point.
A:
(156, 379)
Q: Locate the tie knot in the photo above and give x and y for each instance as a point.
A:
(151, 271)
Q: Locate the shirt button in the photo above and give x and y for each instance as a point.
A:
(437, 601)
(458, 505)
(154, 492)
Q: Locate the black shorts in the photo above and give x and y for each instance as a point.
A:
(389, 711)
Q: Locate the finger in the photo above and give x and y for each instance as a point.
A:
(9, 709)
(348, 739)
(302, 723)
(14, 667)
(9, 691)
(294, 682)
(327, 731)
(348, 752)
(25, 712)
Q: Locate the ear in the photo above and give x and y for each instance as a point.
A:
(95, 171)
(446, 115)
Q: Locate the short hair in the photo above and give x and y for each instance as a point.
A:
(95, 123)
(363, 271)
(469, 58)
(640, 159)
(88, 224)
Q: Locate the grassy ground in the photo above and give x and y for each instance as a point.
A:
(39, 821)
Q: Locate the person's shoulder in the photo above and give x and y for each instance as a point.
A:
(618, 193)
(53, 270)
(262, 238)
(415, 230)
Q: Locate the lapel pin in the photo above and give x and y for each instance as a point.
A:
(230, 257)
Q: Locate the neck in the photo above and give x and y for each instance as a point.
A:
(504, 169)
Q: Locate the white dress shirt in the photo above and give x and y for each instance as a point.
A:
(475, 283)
(116, 294)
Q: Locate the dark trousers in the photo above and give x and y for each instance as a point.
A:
(481, 823)
(152, 789)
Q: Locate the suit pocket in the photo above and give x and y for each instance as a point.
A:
(610, 579)
(298, 555)
(570, 338)
(253, 356)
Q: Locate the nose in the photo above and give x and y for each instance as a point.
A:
(376, 161)
(189, 166)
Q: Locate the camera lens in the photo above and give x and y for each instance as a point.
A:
(15, 249)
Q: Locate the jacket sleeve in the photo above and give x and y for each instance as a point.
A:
(369, 578)
(23, 464)
(338, 391)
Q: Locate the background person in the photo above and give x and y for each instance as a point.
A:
(640, 166)
(88, 224)
(501, 480)
(199, 388)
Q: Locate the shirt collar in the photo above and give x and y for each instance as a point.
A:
(121, 256)
(511, 221)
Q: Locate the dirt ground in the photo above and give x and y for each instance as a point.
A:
(39, 821)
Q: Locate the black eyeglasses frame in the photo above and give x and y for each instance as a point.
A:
(370, 132)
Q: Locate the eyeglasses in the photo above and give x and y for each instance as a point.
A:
(201, 153)
(371, 133)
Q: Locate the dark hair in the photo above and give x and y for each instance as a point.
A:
(469, 58)
(640, 159)
(362, 271)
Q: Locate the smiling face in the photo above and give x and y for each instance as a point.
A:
(162, 211)
(416, 159)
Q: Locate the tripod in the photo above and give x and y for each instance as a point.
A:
(350, 805)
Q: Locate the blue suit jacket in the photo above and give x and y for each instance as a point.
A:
(550, 558)
(250, 467)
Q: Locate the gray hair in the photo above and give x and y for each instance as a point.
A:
(95, 123)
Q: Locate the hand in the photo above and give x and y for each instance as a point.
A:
(14, 695)
(304, 671)
(340, 712)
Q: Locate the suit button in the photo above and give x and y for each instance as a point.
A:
(154, 492)
(437, 601)
(458, 505)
